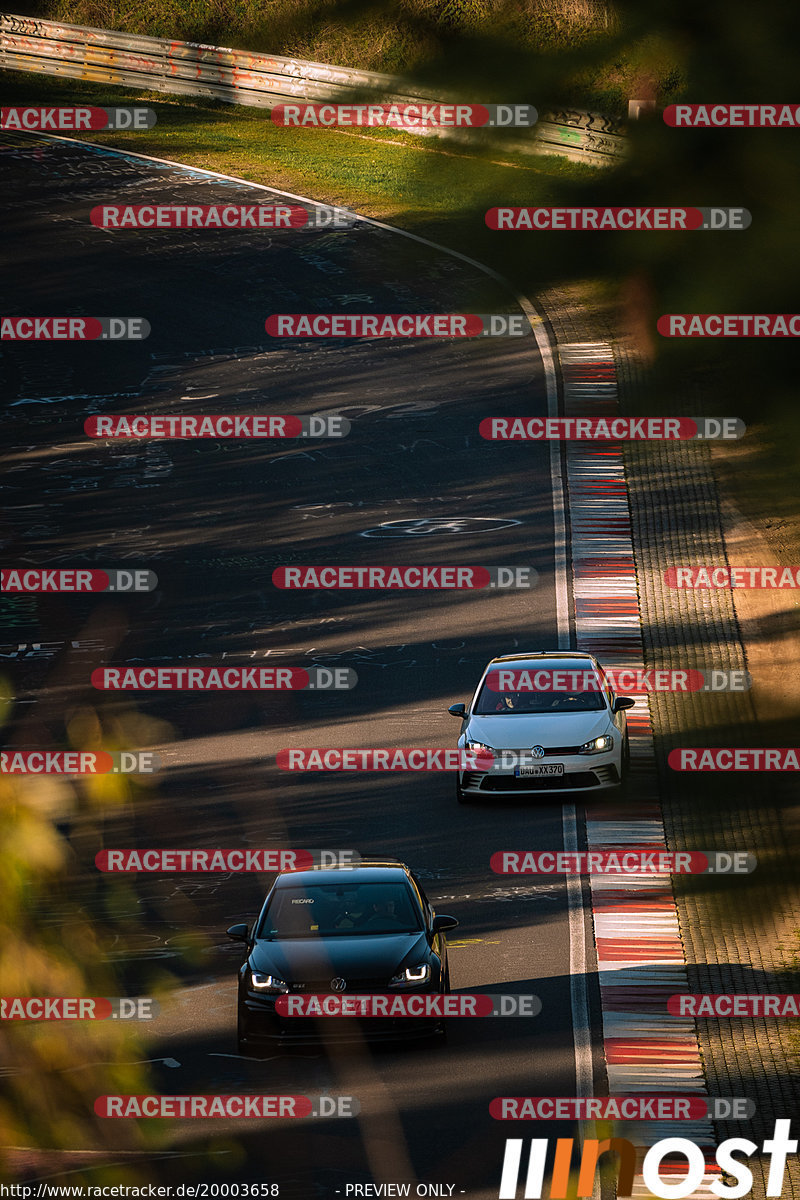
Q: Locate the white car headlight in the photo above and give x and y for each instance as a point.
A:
(598, 745)
(481, 749)
(269, 984)
(412, 976)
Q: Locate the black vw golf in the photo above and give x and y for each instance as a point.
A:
(365, 929)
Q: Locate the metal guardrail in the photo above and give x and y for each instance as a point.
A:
(265, 80)
(582, 136)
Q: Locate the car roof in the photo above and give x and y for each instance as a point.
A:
(363, 872)
(556, 659)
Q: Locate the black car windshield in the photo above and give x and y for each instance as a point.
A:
(332, 909)
(494, 702)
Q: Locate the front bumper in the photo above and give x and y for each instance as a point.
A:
(259, 1024)
(582, 772)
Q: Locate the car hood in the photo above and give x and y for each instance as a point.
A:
(554, 729)
(299, 959)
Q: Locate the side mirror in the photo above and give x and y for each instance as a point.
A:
(238, 933)
(443, 922)
(623, 702)
(457, 710)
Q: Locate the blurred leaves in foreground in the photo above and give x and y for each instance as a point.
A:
(50, 946)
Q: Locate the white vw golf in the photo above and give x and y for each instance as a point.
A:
(544, 722)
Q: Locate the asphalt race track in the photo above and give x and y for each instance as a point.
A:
(413, 483)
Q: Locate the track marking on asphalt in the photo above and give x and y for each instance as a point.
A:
(578, 979)
(168, 1062)
(472, 942)
(245, 1057)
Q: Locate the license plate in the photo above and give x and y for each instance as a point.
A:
(539, 769)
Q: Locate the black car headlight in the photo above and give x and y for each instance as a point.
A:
(598, 745)
(412, 976)
(268, 985)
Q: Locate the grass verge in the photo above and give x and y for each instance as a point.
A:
(414, 182)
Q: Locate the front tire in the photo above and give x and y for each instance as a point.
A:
(440, 1037)
(461, 795)
(625, 767)
(242, 1045)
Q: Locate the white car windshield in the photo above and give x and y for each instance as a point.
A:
(495, 703)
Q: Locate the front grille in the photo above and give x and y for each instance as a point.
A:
(553, 751)
(548, 783)
(549, 752)
(313, 986)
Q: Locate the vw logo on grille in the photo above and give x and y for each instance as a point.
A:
(338, 984)
(537, 751)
